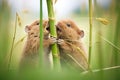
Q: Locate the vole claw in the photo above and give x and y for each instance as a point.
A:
(60, 41)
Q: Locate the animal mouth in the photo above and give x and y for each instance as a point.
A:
(48, 28)
(58, 28)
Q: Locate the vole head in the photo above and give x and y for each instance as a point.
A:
(33, 29)
(67, 29)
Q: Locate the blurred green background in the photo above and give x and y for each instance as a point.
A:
(105, 37)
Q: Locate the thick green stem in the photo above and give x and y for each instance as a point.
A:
(90, 32)
(117, 34)
(41, 55)
(56, 60)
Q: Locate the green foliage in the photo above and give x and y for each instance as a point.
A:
(4, 30)
(104, 41)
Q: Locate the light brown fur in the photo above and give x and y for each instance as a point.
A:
(70, 46)
(30, 56)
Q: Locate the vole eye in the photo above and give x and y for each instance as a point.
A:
(68, 25)
(31, 33)
(37, 23)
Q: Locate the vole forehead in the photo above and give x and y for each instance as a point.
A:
(35, 27)
(35, 23)
(71, 23)
(66, 22)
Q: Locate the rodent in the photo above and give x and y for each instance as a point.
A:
(72, 52)
(30, 55)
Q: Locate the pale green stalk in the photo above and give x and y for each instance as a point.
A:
(41, 54)
(90, 32)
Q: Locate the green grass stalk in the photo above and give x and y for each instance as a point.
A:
(98, 12)
(41, 37)
(90, 31)
(55, 54)
(116, 35)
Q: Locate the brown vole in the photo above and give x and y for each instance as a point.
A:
(30, 56)
(72, 52)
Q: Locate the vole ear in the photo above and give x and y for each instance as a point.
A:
(81, 33)
(27, 28)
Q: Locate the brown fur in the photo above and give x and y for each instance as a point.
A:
(70, 46)
(30, 57)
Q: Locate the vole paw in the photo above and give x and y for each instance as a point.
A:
(60, 41)
(53, 39)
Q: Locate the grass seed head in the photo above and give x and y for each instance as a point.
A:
(103, 21)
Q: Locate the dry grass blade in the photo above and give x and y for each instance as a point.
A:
(19, 20)
(11, 50)
(104, 69)
(110, 43)
(81, 56)
(76, 61)
(21, 40)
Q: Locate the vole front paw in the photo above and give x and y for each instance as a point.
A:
(53, 40)
(60, 41)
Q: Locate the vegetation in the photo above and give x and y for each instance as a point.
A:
(102, 37)
(55, 53)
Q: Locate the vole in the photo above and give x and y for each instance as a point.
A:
(72, 52)
(30, 55)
